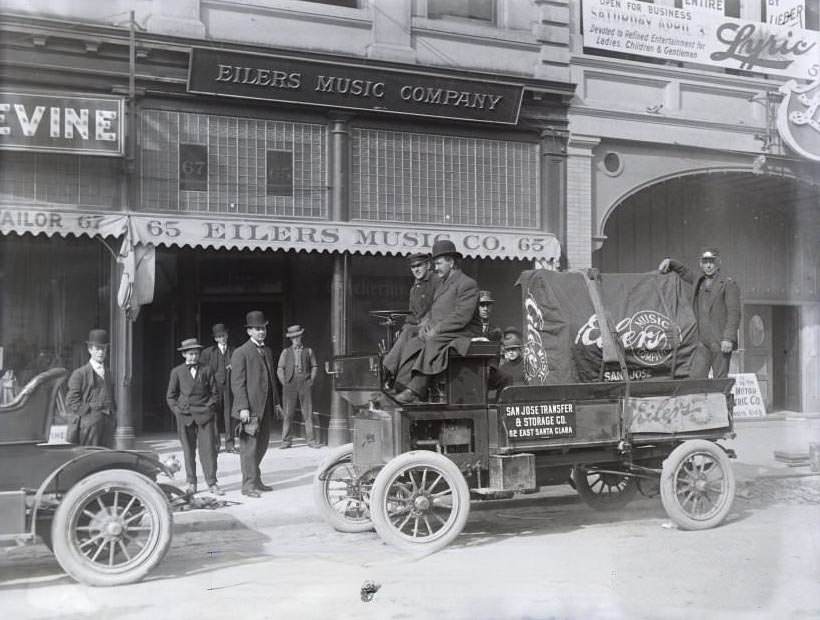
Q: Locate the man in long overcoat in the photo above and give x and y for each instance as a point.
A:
(192, 396)
(255, 399)
(716, 303)
(90, 397)
(450, 324)
(218, 358)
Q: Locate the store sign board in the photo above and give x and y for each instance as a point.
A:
(62, 124)
(358, 87)
(798, 121)
(786, 13)
(700, 35)
(748, 398)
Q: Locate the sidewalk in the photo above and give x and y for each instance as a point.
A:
(290, 472)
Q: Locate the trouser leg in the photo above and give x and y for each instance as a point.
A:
(247, 460)
(306, 403)
(230, 428)
(720, 364)
(207, 450)
(262, 441)
(290, 393)
(187, 437)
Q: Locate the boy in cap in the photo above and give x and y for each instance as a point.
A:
(296, 371)
(90, 397)
(192, 396)
(716, 303)
(218, 358)
(512, 364)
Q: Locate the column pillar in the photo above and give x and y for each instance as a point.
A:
(554, 184)
(121, 365)
(338, 432)
(580, 210)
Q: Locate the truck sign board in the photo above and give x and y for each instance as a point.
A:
(539, 420)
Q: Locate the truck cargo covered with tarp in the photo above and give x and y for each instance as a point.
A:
(652, 327)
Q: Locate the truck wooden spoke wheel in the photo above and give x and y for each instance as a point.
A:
(603, 490)
(343, 498)
(420, 502)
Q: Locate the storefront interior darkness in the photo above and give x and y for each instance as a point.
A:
(766, 229)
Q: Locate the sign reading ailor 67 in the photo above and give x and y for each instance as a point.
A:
(62, 124)
(533, 421)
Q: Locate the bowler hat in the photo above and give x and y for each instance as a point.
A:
(255, 318)
(710, 254)
(511, 340)
(485, 297)
(294, 330)
(188, 344)
(219, 329)
(418, 257)
(513, 330)
(445, 247)
(98, 337)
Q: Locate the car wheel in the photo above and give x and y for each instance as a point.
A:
(111, 528)
(697, 485)
(343, 499)
(603, 491)
(420, 502)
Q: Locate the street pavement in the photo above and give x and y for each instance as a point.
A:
(290, 472)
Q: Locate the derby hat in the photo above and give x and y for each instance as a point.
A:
(485, 297)
(294, 330)
(511, 339)
(710, 254)
(255, 318)
(188, 344)
(418, 258)
(98, 337)
(445, 247)
(219, 329)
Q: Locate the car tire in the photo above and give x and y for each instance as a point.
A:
(112, 528)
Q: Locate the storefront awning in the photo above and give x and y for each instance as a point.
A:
(265, 234)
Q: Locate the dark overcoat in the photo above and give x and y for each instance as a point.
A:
(251, 379)
(192, 399)
(218, 363)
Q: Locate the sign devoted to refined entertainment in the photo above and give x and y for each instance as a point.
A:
(798, 121)
(532, 421)
(62, 124)
(698, 34)
(297, 80)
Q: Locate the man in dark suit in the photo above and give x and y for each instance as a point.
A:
(716, 303)
(450, 324)
(192, 396)
(296, 371)
(484, 310)
(90, 397)
(255, 399)
(217, 357)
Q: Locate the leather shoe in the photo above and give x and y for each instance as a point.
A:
(284, 446)
(261, 486)
(229, 447)
(251, 493)
(215, 490)
(407, 396)
(190, 489)
(315, 444)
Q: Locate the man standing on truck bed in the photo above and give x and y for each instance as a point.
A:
(449, 324)
(716, 303)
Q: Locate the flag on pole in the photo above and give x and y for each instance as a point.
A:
(138, 272)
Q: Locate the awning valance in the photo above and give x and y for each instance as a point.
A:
(202, 231)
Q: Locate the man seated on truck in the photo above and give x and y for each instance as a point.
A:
(450, 324)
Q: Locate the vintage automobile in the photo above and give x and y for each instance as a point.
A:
(100, 511)
(413, 470)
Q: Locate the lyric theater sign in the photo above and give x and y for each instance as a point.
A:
(62, 124)
(297, 80)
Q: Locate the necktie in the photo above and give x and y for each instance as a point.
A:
(192, 370)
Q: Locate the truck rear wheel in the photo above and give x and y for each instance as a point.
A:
(342, 498)
(420, 502)
(111, 528)
(603, 491)
(697, 485)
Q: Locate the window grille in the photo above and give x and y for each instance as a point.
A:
(237, 179)
(445, 180)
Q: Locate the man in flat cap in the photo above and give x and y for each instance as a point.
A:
(90, 397)
(425, 281)
(217, 357)
(255, 400)
(192, 396)
(296, 370)
(716, 303)
(484, 311)
(450, 323)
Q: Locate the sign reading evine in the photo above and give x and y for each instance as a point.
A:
(63, 124)
(296, 80)
(698, 34)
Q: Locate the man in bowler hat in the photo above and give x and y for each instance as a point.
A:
(296, 371)
(218, 358)
(192, 396)
(450, 323)
(255, 399)
(716, 303)
(90, 397)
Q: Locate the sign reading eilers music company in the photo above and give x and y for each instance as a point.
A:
(296, 80)
(63, 124)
